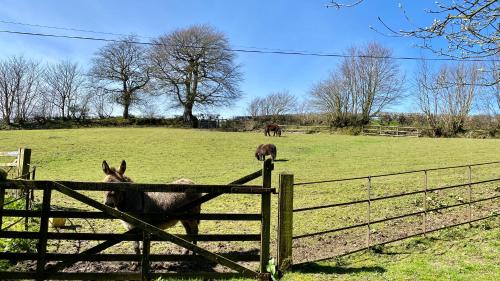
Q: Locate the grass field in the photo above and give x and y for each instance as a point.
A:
(162, 155)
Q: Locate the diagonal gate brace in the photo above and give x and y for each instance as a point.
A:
(109, 243)
(156, 231)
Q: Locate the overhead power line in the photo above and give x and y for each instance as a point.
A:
(241, 50)
(69, 29)
(114, 34)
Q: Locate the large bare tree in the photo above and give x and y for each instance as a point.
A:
(20, 86)
(121, 68)
(64, 82)
(195, 66)
(366, 82)
(446, 98)
(372, 78)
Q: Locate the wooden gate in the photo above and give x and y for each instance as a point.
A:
(144, 231)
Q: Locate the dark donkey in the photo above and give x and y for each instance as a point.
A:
(143, 203)
(274, 128)
(266, 149)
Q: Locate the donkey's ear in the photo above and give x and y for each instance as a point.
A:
(123, 167)
(105, 168)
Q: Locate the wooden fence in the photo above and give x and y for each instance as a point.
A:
(286, 211)
(20, 164)
(392, 131)
(144, 231)
(19, 168)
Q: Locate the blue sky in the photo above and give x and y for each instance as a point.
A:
(290, 25)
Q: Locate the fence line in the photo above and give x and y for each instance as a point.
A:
(397, 239)
(399, 173)
(424, 213)
(392, 131)
(393, 196)
(395, 218)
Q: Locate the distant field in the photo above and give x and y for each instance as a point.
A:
(162, 155)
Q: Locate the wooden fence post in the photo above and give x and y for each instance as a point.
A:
(2, 201)
(42, 240)
(146, 266)
(266, 216)
(285, 222)
(23, 172)
(23, 163)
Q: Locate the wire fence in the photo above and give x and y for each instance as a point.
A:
(426, 190)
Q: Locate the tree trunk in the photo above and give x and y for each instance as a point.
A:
(188, 116)
(125, 110)
(6, 113)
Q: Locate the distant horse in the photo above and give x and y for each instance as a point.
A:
(274, 128)
(266, 149)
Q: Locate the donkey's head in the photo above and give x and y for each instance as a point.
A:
(259, 152)
(113, 198)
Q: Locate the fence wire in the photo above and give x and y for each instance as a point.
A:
(397, 173)
(468, 202)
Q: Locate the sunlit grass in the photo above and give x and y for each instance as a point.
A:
(157, 155)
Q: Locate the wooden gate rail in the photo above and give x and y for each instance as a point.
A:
(127, 236)
(151, 233)
(122, 275)
(123, 257)
(100, 215)
(121, 186)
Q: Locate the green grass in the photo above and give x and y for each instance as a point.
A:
(461, 253)
(163, 155)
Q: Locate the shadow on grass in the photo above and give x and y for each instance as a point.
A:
(330, 269)
(281, 160)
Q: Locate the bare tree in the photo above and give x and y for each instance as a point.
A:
(255, 106)
(446, 98)
(64, 82)
(470, 27)
(332, 96)
(367, 81)
(100, 102)
(428, 97)
(373, 80)
(281, 102)
(20, 87)
(121, 69)
(195, 66)
(274, 104)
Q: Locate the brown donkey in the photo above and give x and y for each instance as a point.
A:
(143, 203)
(266, 149)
